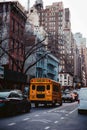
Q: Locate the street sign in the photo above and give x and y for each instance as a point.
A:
(1, 72)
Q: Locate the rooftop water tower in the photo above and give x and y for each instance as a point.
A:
(39, 4)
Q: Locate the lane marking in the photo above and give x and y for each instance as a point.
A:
(39, 121)
(62, 118)
(66, 114)
(53, 110)
(63, 106)
(11, 124)
(73, 110)
(44, 112)
(63, 111)
(47, 120)
(42, 120)
(26, 119)
(46, 128)
(36, 115)
(56, 122)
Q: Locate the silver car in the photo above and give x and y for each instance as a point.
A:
(82, 100)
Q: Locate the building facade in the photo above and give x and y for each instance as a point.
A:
(12, 18)
(81, 45)
(66, 80)
(56, 22)
(48, 65)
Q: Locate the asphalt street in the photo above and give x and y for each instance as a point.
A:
(65, 117)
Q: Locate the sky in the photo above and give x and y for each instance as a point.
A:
(78, 9)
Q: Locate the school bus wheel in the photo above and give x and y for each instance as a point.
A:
(61, 103)
(53, 104)
(36, 104)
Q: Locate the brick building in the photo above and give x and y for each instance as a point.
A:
(12, 25)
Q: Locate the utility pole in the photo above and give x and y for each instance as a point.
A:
(28, 6)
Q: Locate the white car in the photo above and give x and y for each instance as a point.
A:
(82, 100)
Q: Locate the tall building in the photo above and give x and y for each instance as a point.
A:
(52, 19)
(80, 41)
(67, 30)
(75, 61)
(86, 66)
(70, 42)
(56, 21)
(81, 44)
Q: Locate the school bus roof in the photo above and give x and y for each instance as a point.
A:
(37, 80)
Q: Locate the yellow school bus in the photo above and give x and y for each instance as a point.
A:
(45, 91)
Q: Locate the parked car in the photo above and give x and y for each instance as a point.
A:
(82, 100)
(13, 101)
(67, 96)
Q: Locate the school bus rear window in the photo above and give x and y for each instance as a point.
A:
(55, 88)
(48, 87)
(40, 88)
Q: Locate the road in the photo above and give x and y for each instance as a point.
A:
(65, 117)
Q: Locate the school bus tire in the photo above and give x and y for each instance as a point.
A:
(45, 104)
(36, 105)
(61, 104)
(53, 104)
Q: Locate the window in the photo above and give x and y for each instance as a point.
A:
(48, 87)
(55, 88)
(7, 9)
(18, 48)
(31, 10)
(65, 76)
(17, 64)
(12, 44)
(12, 63)
(40, 88)
(60, 75)
(33, 87)
(17, 28)
(13, 25)
(1, 9)
(14, 95)
(1, 22)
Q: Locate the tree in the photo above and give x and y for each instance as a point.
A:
(28, 50)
